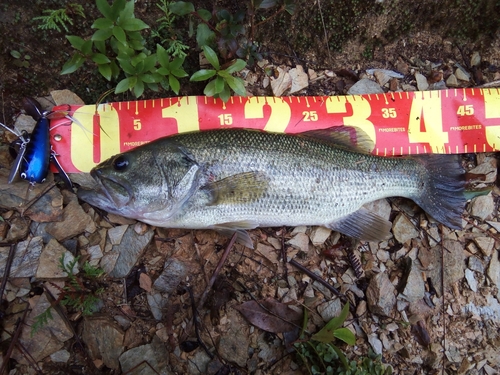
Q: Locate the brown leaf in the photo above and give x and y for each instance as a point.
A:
(421, 334)
(270, 315)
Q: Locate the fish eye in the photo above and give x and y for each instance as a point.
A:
(120, 163)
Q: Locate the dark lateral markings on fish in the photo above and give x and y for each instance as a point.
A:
(234, 180)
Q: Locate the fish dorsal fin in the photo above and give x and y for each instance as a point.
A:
(240, 188)
(364, 225)
(348, 137)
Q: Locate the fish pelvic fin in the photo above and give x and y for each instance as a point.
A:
(443, 189)
(238, 227)
(364, 225)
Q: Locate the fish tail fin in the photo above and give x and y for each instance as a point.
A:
(443, 189)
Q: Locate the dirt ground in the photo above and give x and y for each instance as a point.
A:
(456, 331)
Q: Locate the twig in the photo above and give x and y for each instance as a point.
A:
(197, 323)
(15, 338)
(6, 273)
(326, 36)
(315, 277)
(284, 257)
(34, 200)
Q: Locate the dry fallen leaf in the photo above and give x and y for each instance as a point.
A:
(271, 315)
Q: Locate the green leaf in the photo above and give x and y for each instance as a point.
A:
(326, 334)
(122, 86)
(163, 57)
(181, 8)
(204, 36)
(99, 58)
(210, 88)
(265, 4)
(73, 64)
(87, 47)
(290, 7)
(126, 66)
(116, 8)
(219, 84)
(149, 63)
(205, 14)
(101, 46)
(225, 94)
(15, 54)
(211, 57)
(120, 35)
(163, 71)
(75, 41)
(341, 355)
(147, 78)
(176, 63)
(115, 69)
(345, 335)
(104, 8)
(134, 24)
(126, 12)
(102, 23)
(237, 84)
(180, 73)
(101, 35)
(138, 89)
(236, 66)
(174, 84)
(202, 75)
(105, 70)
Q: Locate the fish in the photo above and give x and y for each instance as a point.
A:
(232, 180)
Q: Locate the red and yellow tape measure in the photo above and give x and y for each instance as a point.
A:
(399, 123)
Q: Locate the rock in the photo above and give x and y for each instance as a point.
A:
(268, 252)
(74, 222)
(60, 356)
(488, 168)
(482, 206)
(365, 86)
(380, 295)
(49, 266)
(422, 83)
(282, 83)
(452, 81)
(485, 244)
(402, 67)
(462, 75)
(469, 276)
(475, 264)
(300, 241)
(26, 258)
(149, 359)
(475, 60)
(414, 289)
(129, 250)
(454, 265)
(330, 309)
(494, 271)
(300, 80)
(234, 343)
(403, 228)
(382, 77)
(380, 207)
(25, 123)
(49, 338)
(157, 303)
(319, 235)
(19, 229)
(116, 234)
(174, 272)
(66, 97)
(375, 343)
(104, 340)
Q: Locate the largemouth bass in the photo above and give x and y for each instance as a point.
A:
(233, 180)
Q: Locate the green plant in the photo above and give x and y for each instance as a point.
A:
(166, 33)
(56, 17)
(224, 80)
(22, 59)
(321, 356)
(74, 294)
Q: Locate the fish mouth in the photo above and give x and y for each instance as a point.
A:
(111, 195)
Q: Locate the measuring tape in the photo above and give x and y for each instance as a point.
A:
(399, 123)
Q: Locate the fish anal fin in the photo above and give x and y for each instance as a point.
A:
(364, 225)
(240, 188)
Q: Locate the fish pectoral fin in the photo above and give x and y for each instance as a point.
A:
(364, 225)
(237, 189)
(238, 227)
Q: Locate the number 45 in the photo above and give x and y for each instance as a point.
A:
(465, 110)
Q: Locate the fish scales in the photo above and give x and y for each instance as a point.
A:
(240, 179)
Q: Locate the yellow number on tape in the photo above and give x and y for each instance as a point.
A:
(492, 111)
(280, 112)
(426, 111)
(185, 113)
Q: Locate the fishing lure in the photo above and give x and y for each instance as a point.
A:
(35, 152)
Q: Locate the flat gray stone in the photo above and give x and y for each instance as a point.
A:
(74, 222)
(454, 265)
(48, 267)
(422, 83)
(482, 206)
(26, 258)
(380, 295)
(174, 272)
(330, 309)
(149, 359)
(129, 250)
(104, 339)
(403, 229)
(415, 287)
(365, 86)
(469, 276)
